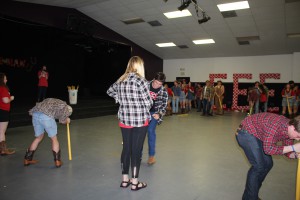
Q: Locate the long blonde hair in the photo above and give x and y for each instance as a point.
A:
(135, 65)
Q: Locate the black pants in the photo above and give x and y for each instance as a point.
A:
(41, 93)
(133, 141)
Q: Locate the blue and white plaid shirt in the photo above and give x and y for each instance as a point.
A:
(134, 98)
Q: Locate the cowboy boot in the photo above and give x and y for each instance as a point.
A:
(28, 158)
(4, 150)
(57, 160)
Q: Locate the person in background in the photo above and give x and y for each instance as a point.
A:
(252, 98)
(43, 119)
(190, 91)
(297, 99)
(219, 96)
(288, 98)
(176, 89)
(43, 76)
(160, 99)
(258, 91)
(198, 97)
(182, 98)
(264, 95)
(170, 96)
(132, 93)
(259, 136)
(5, 99)
(207, 94)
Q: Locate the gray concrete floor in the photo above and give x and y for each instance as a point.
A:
(197, 159)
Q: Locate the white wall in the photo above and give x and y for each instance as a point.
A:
(198, 69)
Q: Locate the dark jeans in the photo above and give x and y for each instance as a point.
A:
(41, 93)
(261, 163)
(206, 106)
(133, 140)
(152, 135)
(199, 104)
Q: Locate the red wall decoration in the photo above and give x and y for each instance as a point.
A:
(219, 76)
(237, 92)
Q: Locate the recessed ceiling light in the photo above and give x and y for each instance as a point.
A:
(233, 6)
(177, 14)
(169, 44)
(205, 41)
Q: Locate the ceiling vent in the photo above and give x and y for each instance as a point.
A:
(247, 38)
(228, 14)
(133, 21)
(244, 42)
(183, 46)
(155, 23)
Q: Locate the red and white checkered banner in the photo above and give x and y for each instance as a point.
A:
(264, 76)
(237, 92)
(212, 77)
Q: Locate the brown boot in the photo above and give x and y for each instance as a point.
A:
(28, 158)
(57, 160)
(151, 160)
(4, 150)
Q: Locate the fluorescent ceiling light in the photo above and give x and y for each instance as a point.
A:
(169, 44)
(233, 6)
(177, 14)
(205, 41)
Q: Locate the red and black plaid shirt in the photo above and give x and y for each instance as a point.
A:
(270, 128)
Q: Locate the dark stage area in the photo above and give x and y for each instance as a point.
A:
(72, 59)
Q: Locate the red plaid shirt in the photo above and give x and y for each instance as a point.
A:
(270, 128)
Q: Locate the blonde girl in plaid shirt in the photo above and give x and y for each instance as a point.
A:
(131, 91)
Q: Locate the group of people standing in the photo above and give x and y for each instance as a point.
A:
(258, 97)
(184, 96)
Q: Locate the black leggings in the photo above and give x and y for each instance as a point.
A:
(133, 141)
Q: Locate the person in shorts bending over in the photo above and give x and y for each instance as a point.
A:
(43, 120)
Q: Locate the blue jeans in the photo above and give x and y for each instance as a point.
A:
(206, 106)
(175, 102)
(261, 163)
(152, 135)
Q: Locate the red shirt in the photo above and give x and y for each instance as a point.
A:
(170, 92)
(43, 80)
(126, 126)
(270, 128)
(284, 92)
(4, 93)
